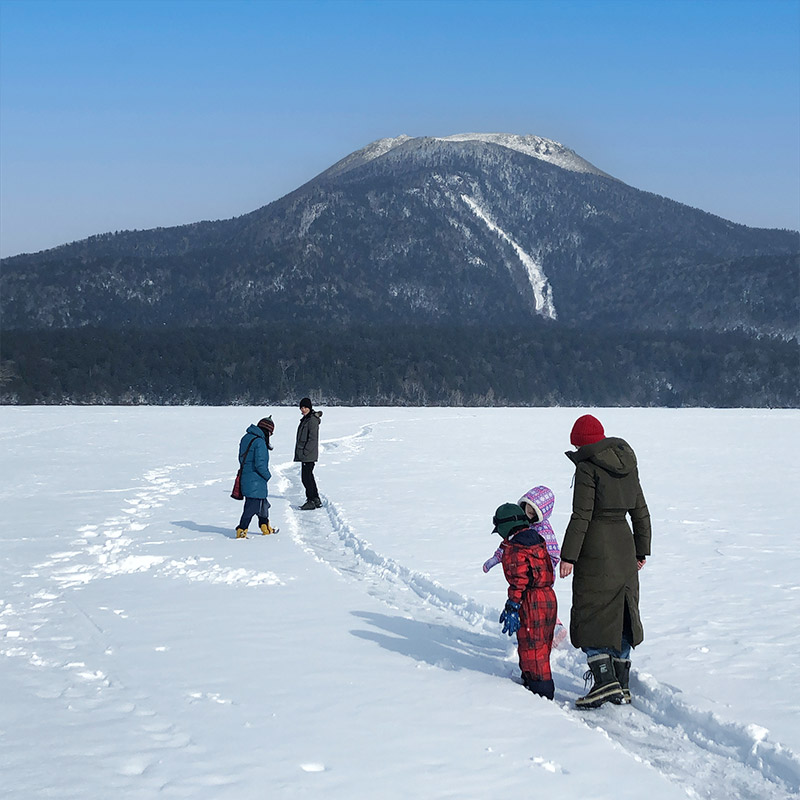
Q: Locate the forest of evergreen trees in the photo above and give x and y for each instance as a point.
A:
(535, 364)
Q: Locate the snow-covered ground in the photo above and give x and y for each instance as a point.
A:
(144, 652)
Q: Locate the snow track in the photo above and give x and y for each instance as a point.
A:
(703, 754)
(49, 632)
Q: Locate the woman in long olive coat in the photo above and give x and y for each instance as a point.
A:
(606, 556)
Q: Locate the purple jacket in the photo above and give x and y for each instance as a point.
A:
(543, 500)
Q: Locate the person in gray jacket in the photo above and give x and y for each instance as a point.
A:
(306, 451)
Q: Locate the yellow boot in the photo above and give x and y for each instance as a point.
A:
(241, 533)
(266, 529)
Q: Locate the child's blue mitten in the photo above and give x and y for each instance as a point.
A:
(510, 618)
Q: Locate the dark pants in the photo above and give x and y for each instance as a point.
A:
(253, 506)
(307, 476)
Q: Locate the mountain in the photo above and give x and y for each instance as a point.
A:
(472, 228)
(476, 269)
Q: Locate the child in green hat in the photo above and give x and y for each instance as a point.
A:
(531, 608)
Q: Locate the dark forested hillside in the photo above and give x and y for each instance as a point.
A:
(541, 364)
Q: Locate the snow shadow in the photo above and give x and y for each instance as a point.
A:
(230, 533)
(443, 646)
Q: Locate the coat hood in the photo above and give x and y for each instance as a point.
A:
(528, 537)
(256, 431)
(542, 499)
(613, 455)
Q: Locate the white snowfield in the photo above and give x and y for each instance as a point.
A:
(144, 652)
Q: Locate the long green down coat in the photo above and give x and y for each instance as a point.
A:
(600, 544)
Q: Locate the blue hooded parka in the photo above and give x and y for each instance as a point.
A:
(255, 467)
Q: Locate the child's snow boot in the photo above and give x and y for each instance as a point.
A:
(622, 668)
(241, 533)
(606, 686)
(267, 529)
(546, 689)
(309, 505)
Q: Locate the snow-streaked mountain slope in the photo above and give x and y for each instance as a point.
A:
(541, 288)
(372, 151)
(146, 653)
(386, 237)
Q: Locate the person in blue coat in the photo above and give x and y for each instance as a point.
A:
(254, 460)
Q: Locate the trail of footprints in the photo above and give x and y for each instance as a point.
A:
(48, 630)
(686, 746)
(690, 747)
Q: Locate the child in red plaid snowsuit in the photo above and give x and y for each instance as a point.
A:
(538, 503)
(531, 608)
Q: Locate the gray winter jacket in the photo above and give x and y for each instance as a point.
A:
(307, 446)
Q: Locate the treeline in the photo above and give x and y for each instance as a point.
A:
(537, 364)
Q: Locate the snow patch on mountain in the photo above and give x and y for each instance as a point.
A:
(310, 213)
(544, 149)
(542, 290)
(369, 153)
(536, 146)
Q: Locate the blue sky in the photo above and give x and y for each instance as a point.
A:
(118, 115)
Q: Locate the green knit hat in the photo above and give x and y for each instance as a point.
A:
(509, 518)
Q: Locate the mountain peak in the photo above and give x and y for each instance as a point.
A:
(372, 151)
(535, 146)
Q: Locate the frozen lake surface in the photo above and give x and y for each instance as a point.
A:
(147, 653)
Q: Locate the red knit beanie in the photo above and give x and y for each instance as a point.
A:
(586, 430)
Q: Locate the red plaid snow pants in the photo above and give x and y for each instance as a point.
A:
(529, 572)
